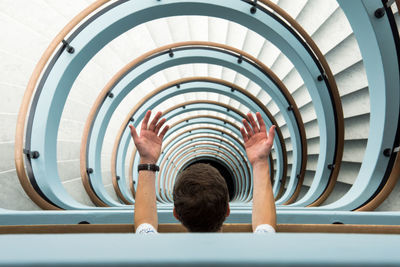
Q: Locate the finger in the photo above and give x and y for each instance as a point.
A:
(133, 133)
(163, 132)
(244, 135)
(159, 125)
(271, 133)
(246, 125)
(253, 123)
(146, 120)
(261, 123)
(153, 123)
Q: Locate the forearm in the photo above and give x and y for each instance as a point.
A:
(149, 146)
(145, 202)
(264, 211)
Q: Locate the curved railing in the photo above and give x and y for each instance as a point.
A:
(43, 102)
(23, 112)
(204, 129)
(170, 86)
(201, 82)
(82, 28)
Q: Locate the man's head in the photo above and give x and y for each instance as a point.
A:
(201, 198)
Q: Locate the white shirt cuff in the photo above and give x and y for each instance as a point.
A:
(145, 228)
(264, 228)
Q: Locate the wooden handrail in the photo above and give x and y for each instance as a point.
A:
(216, 138)
(178, 228)
(211, 143)
(207, 79)
(336, 101)
(390, 183)
(243, 91)
(181, 81)
(188, 130)
(23, 111)
(237, 111)
(38, 70)
(387, 188)
(130, 65)
(210, 128)
(115, 183)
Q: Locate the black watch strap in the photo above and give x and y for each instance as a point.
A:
(148, 167)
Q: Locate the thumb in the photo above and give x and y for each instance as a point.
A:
(133, 133)
(272, 132)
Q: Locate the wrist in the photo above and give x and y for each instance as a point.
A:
(259, 163)
(261, 173)
(148, 161)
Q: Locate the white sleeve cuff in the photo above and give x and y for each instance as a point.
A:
(264, 229)
(146, 228)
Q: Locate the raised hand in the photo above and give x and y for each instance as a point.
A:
(258, 145)
(149, 142)
(257, 142)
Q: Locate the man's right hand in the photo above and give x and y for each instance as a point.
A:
(258, 145)
(257, 142)
(149, 142)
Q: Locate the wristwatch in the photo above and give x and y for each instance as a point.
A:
(148, 167)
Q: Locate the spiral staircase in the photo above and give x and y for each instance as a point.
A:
(76, 74)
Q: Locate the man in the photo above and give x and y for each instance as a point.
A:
(195, 204)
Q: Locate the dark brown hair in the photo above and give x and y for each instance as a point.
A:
(201, 198)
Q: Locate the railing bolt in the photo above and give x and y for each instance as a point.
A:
(31, 154)
(253, 9)
(69, 48)
(240, 59)
(379, 13)
(387, 152)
